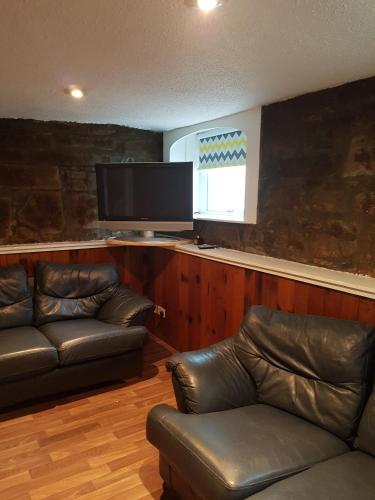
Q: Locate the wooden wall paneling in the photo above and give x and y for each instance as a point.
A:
(366, 311)
(332, 302)
(205, 300)
(253, 284)
(349, 307)
(222, 300)
(234, 278)
(133, 267)
(268, 290)
(196, 309)
(316, 300)
(286, 289)
(185, 282)
(219, 294)
(163, 290)
(301, 297)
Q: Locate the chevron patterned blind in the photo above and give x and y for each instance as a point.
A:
(224, 150)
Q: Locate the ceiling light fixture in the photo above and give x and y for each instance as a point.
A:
(208, 5)
(205, 5)
(75, 92)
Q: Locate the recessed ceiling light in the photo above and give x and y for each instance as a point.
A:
(205, 5)
(75, 92)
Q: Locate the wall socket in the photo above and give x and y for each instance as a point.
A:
(160, 311)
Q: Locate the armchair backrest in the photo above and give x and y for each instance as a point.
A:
(67, 291)
(366, 431)
(314, 367)
(16, 303)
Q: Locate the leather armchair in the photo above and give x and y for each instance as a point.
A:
(285, 393)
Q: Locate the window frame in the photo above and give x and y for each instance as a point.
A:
(177, 147)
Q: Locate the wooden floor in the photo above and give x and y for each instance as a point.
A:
(90, 445)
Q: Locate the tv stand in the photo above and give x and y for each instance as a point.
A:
(147, 238)
(146, 234)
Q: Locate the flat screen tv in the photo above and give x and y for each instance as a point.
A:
(146, 196)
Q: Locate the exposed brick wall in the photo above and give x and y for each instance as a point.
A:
(47, 175)
(317, 182)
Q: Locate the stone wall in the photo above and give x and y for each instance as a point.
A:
(317, 182)
(47, 175)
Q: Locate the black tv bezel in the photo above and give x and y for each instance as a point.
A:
(100, 191)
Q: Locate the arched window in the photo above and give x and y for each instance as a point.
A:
(219, 157)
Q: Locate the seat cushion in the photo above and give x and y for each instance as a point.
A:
(16, 303)
(66, 291)
(234, 453)
(348, 477)
(81, 340)
(24, 351)
(311, 366)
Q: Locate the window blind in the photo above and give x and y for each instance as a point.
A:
(223, 150)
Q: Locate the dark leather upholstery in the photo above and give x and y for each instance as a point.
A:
(348, 477)
(312, 376)
(125, 308)
(32, 366)
(234, 453)
(72, 291)
(71, 377)
(366, 432)
(311, 366)
(24, 351)
(16, 306)
(211, 379)
(82, 340)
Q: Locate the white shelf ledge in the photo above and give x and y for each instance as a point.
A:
(51, 247)
(356, 284)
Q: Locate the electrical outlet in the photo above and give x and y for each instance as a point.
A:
(160, 311)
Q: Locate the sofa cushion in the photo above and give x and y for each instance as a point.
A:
(16, 304)
(24, 351)
(65, 291)
(366, 432)
(234, 453)
(81, 340)
(346, 477)
(311, 366)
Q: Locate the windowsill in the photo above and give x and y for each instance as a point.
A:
(221, 218)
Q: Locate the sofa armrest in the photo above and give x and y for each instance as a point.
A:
(125, 308)
(211, 379)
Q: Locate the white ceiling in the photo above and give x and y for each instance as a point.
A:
(156, 64)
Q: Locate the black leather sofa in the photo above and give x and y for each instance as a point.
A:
(80, 327)
(273, 413)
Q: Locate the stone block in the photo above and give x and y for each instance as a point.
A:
(42, 212)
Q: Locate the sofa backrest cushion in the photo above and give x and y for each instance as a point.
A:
(16, 303)
(366, 432)
(311, 366)
(68, 291)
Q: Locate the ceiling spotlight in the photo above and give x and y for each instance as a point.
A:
(75, 92)
(208, 5)
(205, 5)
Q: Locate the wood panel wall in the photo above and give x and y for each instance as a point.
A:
(205, 300)
(127, 260)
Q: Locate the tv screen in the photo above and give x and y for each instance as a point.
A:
(145, 191)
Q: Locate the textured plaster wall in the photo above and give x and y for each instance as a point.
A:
(317, 182)
(47, 175)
